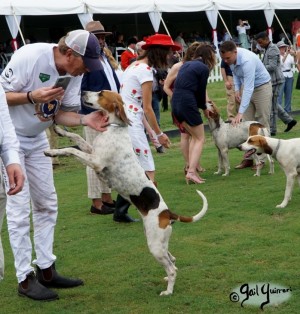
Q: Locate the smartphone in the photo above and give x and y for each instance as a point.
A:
(62, 81)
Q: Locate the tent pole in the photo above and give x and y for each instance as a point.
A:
(224, 24)
(283, 29)
(165, 26)
(21, 34)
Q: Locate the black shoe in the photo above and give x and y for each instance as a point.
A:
(111, 205)
(273, 133)
(32, 289)
(290, 125)
(160, 149)
(50, 278)
(124, 218)
(105, 210)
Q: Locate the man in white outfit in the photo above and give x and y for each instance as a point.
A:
(34, 104)
(12, 179)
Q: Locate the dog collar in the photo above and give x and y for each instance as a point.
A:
(276, 148)
(116, 124)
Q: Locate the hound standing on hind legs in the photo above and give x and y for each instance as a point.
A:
(113, 159)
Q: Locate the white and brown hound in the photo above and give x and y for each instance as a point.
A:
(286, 152)
(113, 159)
(227, 136)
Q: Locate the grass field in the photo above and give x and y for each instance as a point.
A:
(242, 239)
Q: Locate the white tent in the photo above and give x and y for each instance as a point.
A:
(57, 7)
(15, 9)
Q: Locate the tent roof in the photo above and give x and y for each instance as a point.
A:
(60, 7)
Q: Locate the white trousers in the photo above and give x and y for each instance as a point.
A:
(2, 212)
(39, 197)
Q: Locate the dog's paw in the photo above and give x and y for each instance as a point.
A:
(282, 205)
(48, 152)
(165, 293)
(217, 172)
(225, 174)
(59, 131)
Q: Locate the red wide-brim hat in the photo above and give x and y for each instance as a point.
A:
(160, 40)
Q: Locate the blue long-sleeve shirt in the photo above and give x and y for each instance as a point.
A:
(250, 72)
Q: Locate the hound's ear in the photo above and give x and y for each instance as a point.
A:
(120, 112)
(267, 149)
(215, 108)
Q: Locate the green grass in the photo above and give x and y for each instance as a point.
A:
(243, 238)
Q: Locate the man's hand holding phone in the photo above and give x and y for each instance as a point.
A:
(62, 81)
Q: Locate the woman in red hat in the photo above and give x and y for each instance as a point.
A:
(188, 96)
(136, 91)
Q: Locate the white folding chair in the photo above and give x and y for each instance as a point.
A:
(118, 52)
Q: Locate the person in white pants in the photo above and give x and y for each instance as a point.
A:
(11, 175)
(35, 104)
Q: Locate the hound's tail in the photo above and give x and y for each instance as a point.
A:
(196, 217)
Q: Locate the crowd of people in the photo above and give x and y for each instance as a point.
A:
(30, 104)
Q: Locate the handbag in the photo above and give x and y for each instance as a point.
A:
(298, 81)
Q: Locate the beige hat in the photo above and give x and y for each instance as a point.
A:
(281, 44)
(96, 27)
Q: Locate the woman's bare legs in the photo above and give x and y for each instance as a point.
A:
(185, 139)
(185, 146)
(195, 151)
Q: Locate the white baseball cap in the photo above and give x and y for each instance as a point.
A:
(87, 45)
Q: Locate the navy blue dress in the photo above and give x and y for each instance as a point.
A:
(190, 92)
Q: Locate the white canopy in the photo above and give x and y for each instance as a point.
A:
(60, 7)
(15, 9)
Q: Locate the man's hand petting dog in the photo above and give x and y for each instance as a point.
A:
(97, 120)
(238, 119)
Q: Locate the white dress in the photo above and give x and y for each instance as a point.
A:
(131, 92)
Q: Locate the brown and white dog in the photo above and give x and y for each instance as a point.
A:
(286, 152)
(226, 136)
(113, 159)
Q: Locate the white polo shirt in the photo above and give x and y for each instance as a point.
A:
(32, 67)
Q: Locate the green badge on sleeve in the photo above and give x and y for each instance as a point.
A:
(44, 77)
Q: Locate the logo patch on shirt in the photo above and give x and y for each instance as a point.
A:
(44, 77)
(47, 111)
(9, 73)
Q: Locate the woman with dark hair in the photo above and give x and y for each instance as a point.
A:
(168, 88)
(136, 92)
(189, 95)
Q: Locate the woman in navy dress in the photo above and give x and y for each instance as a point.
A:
(189, 95)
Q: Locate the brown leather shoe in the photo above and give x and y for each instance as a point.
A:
(245, 164)
(259, 166)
